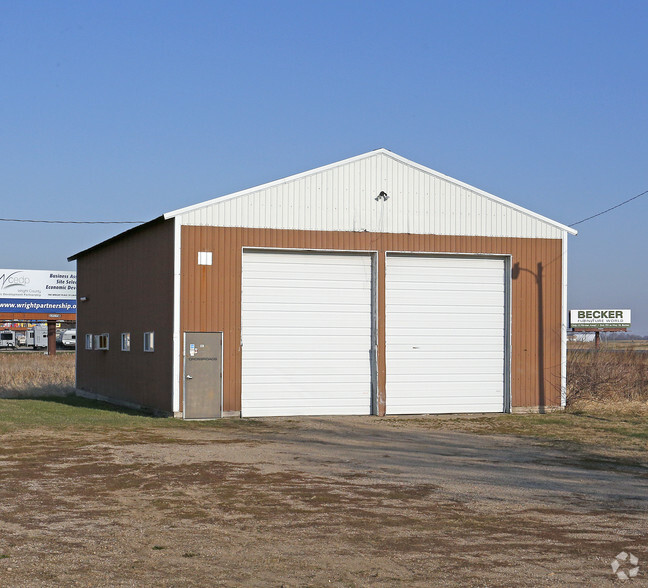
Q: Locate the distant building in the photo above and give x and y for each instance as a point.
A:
(583, 337)
(370, 286)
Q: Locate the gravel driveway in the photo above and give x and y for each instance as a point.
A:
(350, 501)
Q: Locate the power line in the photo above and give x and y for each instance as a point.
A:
(58, 222)
(609, 209)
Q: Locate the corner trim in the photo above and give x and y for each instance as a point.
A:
(177, 260)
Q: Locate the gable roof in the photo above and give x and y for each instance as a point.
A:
(343, 196)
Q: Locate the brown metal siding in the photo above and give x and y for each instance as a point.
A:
(129, 286)
(211, 296)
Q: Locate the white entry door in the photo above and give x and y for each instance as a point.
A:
(306, 333)
(445, 334)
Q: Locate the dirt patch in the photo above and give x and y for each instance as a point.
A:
(310, 502)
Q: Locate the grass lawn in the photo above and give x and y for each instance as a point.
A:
(69, 413)
(609, 435)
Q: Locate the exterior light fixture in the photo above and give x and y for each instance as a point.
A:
(382, 196)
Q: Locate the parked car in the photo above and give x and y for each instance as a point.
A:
(68, 338)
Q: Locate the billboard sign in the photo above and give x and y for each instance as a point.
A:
(37, 291)
(599, 319)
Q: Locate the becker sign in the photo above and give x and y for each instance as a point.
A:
(599, 319)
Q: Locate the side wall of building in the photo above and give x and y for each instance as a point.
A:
(128, 284)
(211, 296)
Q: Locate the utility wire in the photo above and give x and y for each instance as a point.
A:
(22, 220)
(56, 222)
(609, 209)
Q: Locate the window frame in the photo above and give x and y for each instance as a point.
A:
(102, 342)
(149, 341)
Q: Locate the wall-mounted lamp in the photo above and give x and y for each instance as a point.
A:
(382, 196)
(83, 299)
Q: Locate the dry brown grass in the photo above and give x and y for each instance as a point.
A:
(35, 374)
(614, 381)
(617, 345)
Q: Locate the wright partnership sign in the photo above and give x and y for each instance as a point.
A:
(37, 291)
(599, 319)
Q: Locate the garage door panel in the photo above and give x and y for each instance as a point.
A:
(464, 389)
(289, 409)
(445, 332)
(310, 302)
(346, 365)
(445, 310)
(314, 389)
(465, 402)
(470, 284)
(456, 299)
(449, 358)
(306, 331)
(448, 367)
(451, 408)
(296, 339)
(305, 359)
(445, 321)
(452, 336)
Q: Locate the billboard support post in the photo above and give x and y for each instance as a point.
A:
(597, 334)
(51, 336)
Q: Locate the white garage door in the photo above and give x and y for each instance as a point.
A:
(306, 334)
(445, 334)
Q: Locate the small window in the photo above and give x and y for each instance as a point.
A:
(149, 341)
(101, 342)
(88, 344)
(125, 341)
(204, 258)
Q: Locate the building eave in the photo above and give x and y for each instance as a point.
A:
(117, 237)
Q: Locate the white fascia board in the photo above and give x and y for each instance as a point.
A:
(563, 327)
(388, 153)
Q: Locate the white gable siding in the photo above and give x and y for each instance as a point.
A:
(342, 197)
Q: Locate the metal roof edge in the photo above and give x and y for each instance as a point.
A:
(116, 237)
(272, 184)
(488, 195)
(383, 151)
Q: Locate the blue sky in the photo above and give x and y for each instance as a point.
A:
(125, 110)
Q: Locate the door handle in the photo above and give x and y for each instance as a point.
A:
(189, 378)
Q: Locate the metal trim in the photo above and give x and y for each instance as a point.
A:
(563, 328)
(177, 343)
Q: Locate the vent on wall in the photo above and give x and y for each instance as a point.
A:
(204, 258)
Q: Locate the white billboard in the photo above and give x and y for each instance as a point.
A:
(37, 284)
(37, 291)
(601, 318)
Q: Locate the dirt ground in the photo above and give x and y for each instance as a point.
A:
(313, 502)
